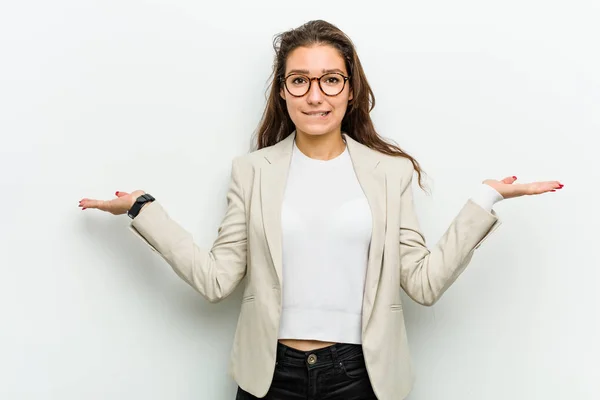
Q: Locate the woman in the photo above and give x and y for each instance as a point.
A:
(320, 221)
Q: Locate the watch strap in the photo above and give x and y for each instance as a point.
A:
(139, 202)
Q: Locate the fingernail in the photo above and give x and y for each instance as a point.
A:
(514, 177)
(117, 193)
(82, 209)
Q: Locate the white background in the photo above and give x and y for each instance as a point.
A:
(99, 96)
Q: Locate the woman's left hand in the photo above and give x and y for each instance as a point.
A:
(507, 188)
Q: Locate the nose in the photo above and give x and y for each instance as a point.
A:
(314, 95)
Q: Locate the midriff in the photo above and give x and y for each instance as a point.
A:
(305, 345)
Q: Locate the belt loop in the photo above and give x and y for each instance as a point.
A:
(334, 355)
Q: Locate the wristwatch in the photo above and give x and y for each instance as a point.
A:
(139, 202)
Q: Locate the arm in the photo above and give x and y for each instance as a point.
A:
(426, 274)
(214, 273)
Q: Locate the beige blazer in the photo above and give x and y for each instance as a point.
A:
(248, 245)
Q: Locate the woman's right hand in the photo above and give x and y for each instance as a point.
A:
(117, 206)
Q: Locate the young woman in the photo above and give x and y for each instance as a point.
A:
(320, 222)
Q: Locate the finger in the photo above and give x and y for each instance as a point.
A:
(543, 187)
(509, 180)
(84, 202)
(92, 203)
(555, 185)
(551, 184)
(121, 194)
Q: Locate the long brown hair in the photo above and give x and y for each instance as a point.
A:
(276, 123)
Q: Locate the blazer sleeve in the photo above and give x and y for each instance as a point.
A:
(425, 274)
(213, 272)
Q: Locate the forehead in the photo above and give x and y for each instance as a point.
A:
(314, 59)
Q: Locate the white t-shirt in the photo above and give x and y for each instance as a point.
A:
(326, 233)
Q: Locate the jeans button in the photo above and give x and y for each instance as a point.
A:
(312, 359)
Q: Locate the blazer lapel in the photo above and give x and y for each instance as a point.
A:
(273, 177)
(374, 184)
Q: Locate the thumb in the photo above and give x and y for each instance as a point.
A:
(121, 194)
(509, 180)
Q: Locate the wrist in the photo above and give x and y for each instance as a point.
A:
(135, 195)
(486, 196)
(140, 202)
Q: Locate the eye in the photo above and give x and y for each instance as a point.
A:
(332, 80)
(298, 80)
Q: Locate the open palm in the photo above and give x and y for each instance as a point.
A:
(507, 188)
(117, 206)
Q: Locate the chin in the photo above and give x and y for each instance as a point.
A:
(316, 129)
(315, 132)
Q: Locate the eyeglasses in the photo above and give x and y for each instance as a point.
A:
(331, 84)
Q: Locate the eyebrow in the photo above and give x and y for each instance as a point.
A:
(306, 72)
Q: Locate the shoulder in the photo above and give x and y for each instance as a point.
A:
(391, 164)
(252, 159)
(395, 164)
(244, 166)
(266, 155)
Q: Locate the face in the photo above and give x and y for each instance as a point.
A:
(306, 111)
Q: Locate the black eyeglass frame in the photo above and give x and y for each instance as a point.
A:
(318, 79)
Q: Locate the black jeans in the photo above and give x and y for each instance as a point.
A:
(334, 372)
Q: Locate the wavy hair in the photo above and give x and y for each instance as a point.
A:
(276, 123)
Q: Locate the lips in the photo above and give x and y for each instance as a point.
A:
(318, 113)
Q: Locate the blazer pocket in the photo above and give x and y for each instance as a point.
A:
(396, 307)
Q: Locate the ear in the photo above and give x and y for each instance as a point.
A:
(351, 95)
(282, 93)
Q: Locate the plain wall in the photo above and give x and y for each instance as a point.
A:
(99, 96)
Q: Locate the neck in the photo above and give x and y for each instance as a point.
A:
(321, 147)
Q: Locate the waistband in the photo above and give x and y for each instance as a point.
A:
(327, 355)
